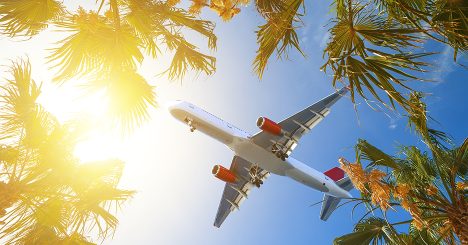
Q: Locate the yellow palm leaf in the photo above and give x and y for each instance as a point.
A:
(25, 17)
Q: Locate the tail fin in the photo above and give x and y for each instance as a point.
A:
(330, 203)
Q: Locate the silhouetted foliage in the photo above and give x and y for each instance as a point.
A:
(47, 196)
(430, 185)
(113, 40)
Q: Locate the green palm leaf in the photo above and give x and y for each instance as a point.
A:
(447, 19)
(350, 57)
(369, 231)
(374, 155)
(450, 19)
(277, 34)
(430, 186)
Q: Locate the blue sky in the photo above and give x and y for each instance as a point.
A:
(170, 168)
(279, 212)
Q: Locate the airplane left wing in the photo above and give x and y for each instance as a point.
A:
(235, 193)
(297, 125)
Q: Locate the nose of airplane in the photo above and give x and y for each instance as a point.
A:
(171, 105)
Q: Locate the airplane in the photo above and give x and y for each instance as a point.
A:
(268, 151)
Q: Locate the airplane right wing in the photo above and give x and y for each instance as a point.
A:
(297, 125)
(235, 193)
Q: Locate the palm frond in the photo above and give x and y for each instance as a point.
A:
(138, 15)
(461, 161)
(108, 48)
(46, 195)
(92, 208)
(179, 18)
(450, 20)
(129, 96)
(447, 19)
(279, 33)
(267, 8)
(97, 173)
(369, 231)
(76, 238)
(187, 58)
(416, 168)
(27, 18)
(376, 157)
(95, 45)
(407, 12)
(8, 156)
(350, 56)
(430, 186)
(418, 120)
(20, 116)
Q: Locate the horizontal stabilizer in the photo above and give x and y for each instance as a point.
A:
(330, 203)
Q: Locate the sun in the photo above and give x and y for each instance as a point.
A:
(68, 102)
(97, 146)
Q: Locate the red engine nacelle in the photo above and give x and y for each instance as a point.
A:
(269, 126)
(223, 174)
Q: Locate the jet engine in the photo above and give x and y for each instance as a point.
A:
(223, 174)
(269, 126)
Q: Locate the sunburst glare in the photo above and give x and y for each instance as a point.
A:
(68, 102)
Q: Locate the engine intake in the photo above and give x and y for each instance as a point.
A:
(269, 126)
(223, 174)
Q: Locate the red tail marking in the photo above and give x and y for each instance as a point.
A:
(335, 173)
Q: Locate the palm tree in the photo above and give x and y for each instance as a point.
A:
(107, 45)
(47, 196)
(432, 186)
(28, 18)
(374, 46)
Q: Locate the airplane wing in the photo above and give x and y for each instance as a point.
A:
(235, 193)
(297, 125)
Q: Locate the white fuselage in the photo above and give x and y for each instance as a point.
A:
(241, 144)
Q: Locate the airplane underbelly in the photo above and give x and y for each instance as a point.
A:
(308, 176)
(215, 132)
(209, 126)
(291, 167)
(257, 155)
